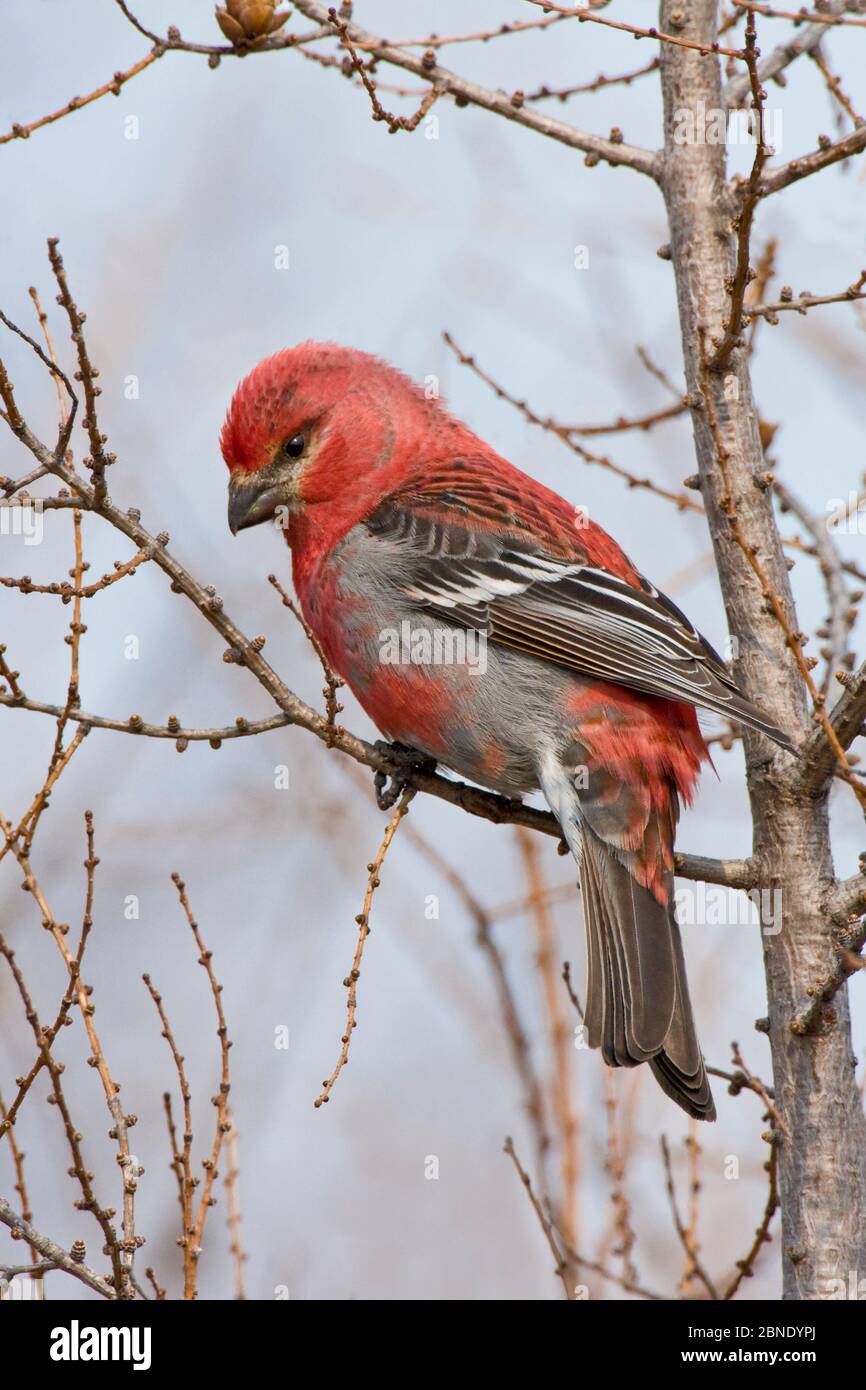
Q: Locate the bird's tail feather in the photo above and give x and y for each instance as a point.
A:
(637, 1005)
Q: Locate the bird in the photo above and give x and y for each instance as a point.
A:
(565, 670)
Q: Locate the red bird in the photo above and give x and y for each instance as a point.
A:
(403, 523)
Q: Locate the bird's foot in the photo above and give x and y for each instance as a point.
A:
(403, 762)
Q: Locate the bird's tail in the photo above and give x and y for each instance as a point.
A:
(637, 997)
(637, 1004)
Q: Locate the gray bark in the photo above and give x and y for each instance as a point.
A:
(823, 1157)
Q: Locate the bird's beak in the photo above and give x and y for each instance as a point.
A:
(250, 503)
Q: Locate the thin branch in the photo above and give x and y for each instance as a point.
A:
(694, 1262)
(680, 499)
(815, 1015)
(483, 920)
(803, 302)
(772, 68)
(584, 15)
(560, 1262)
(220, 1100)
(63, 589)
(233, 1220)
(803, 16)
(363, 920)
(173, 729)
(333, 683)
(55, 1256)
(742, 223)
(560, 1037)
(119, 80)
(746, 1266)
(755, 1084)
(847, 720)
(624, 79)
(834, 86)
(18, 1158)
(465, 92)
(99, 460)
(774, 601)
(773, 180)
(842, 614)
(181, 1158)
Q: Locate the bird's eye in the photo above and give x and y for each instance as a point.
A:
(294, 447)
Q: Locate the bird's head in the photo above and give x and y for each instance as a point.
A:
(321, 424)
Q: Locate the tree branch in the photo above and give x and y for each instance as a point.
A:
(775, 179)
(54, 1254)
(772, 67)
(471, 93)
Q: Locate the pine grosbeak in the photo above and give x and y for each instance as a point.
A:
(396, 514)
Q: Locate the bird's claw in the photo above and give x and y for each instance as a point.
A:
(403, 762)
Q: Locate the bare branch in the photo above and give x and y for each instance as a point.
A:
(846, 720)
(566, 433)
(743, 272)
(803, 302)
(465, 92)
(829, 153)
(688, 1244)
(363, 920)
(773, 67)
(119, 80)
(55, 1256)
(841, 615)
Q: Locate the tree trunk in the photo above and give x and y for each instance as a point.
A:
(822, 1158)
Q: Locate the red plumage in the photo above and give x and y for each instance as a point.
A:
(396, 512)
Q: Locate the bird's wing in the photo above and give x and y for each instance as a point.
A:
(554, 600)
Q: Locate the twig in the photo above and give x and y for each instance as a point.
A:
(332, 682)
(363, 920)
(690, 1234)
(181, 1157)
(220, 1100)
(772, 68)
(803, 302)
(63, 589)
(774, 601)
(680, 499)
(511, 107)
(99, 460)
(394, 123)
(583, 14)
(173, 729)
(802, 16)
(55, 1256)
(119, 80)
(746, 1266)
(804, 165)
(560, 1036)
(694, 1263)
(560, 1262)
(615, 1166)
(756, 1085)
(483, 921)
(18, 1164)
(841, 614)
(834, 85)
(848, 944)
(624, 79)
(742, 223)
(233, 1220)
